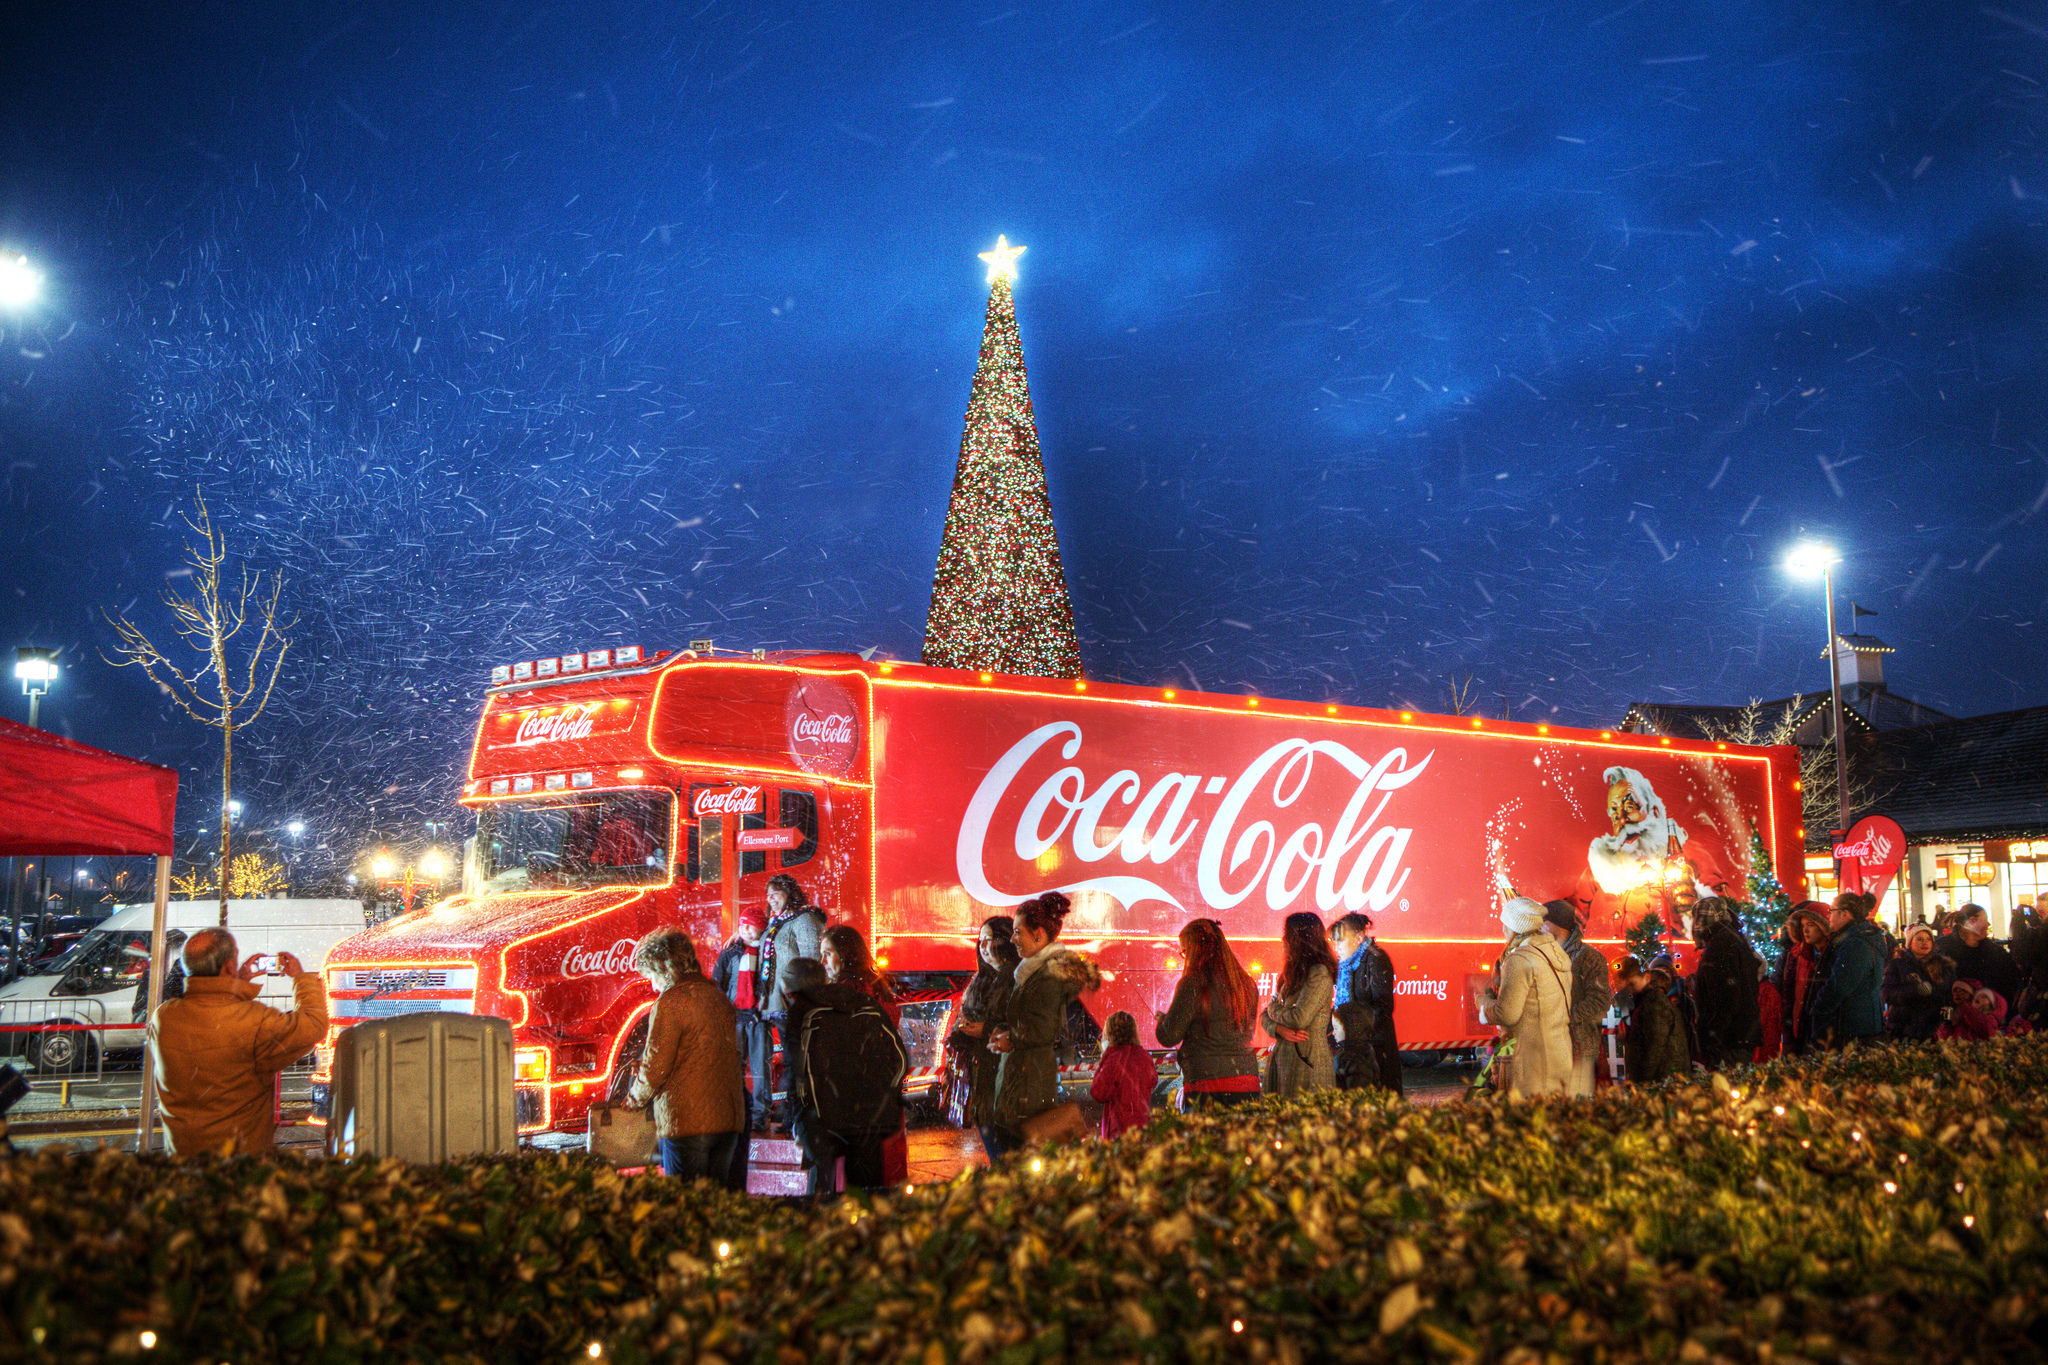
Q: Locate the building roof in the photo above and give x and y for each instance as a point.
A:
(1869, 708)
(1868, 644)
(1963, 780)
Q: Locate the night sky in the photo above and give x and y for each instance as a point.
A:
(1374, 349)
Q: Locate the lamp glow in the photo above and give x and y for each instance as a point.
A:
(1811, 558)
(20, 282)
(1002, 262)
(380, 866)
(433, 864)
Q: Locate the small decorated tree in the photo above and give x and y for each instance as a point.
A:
(1646, 940)
(1768, 907)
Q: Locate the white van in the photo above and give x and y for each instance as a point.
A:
(94, 983)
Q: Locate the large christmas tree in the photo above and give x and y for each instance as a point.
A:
(999, 598)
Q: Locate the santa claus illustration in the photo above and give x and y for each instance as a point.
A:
(1645, 864)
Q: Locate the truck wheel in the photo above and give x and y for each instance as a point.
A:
(62, 1054)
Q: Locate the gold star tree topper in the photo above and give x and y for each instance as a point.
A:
(1002, 262)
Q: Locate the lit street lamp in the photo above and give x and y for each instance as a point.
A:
(291, 871)
(1806, 560)
(20, 283)
(37, 669)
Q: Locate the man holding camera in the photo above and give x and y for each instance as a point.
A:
(216, 1049)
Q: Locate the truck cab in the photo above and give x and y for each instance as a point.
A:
(613, 796)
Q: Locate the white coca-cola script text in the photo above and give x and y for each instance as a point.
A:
(613, 961)
(833, 729)
(571, 722)
(1357, 863)
(727, 801)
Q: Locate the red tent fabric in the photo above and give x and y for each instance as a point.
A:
(57, 797)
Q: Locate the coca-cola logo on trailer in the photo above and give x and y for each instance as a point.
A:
(571, 722)
(726, 801)
(1355, 864)
(616, 960)
(824, 726)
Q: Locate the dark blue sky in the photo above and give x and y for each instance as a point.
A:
(1373, 347)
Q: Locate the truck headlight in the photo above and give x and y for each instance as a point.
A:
(530, 1065)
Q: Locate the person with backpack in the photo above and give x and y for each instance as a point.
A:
(846, 1047)
(689, 1072)
(1724, 986)
(1047, 980)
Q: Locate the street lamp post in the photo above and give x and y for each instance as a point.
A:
(37, 669)
(1806, 560)
(291, 876)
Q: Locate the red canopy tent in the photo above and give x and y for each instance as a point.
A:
(58, 797)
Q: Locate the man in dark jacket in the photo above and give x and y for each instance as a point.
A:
(1849, 1004)
(1724, 988)
(1655, 1046)
(1362, 1008)
(1980, 957)
(1592, 995)
(737, 973)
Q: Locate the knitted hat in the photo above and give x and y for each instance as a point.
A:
(1521, 916)
(753, 917)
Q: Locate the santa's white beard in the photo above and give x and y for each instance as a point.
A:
(1622, 862)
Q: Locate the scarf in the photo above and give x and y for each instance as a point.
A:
(775, 924)
(1347, 972)
(743, 984)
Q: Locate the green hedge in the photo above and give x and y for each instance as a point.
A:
(1896, 1209)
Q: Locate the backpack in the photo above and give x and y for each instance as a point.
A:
(855, 1062)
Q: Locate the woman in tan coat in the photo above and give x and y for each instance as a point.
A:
(1531, 1001)
(1298, 1015)
(690, 1069)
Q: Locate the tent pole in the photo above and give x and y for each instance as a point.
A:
(145, 1139)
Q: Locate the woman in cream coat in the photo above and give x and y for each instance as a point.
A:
(1531, 1001)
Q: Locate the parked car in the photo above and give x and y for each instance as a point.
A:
(62, 1017)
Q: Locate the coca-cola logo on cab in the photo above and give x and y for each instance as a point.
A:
(833, 729)
(824, 726)
(726, 801)
(539, 727)
(1246, 845)
(616, 960)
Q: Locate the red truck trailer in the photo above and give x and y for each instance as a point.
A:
(616, 793)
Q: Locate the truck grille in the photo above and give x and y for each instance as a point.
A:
(355, 993)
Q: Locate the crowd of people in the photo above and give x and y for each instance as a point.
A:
(790, 984)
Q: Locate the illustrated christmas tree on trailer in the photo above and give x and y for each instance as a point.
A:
(999, 597)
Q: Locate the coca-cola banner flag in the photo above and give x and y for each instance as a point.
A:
(726, 801)
(1871, 853)
(1149, 816)
(824, 729)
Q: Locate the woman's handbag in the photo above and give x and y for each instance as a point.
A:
(1061, 1123)
(958, 1088)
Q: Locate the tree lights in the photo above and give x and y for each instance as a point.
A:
(999, 596)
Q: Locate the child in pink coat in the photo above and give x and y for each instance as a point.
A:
(1124, 1079)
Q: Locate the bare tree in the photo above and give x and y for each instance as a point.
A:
(1762, 725)
(210, 617)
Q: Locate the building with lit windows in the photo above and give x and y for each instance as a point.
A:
(1971, 793)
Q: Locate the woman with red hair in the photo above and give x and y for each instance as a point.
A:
(1210, 1022)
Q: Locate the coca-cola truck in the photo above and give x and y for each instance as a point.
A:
(615, 794)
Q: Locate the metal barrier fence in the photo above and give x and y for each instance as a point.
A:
(63, 1040)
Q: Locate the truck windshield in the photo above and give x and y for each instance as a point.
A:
(574, 842)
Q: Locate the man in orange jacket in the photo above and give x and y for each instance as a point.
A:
(216, 1048)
